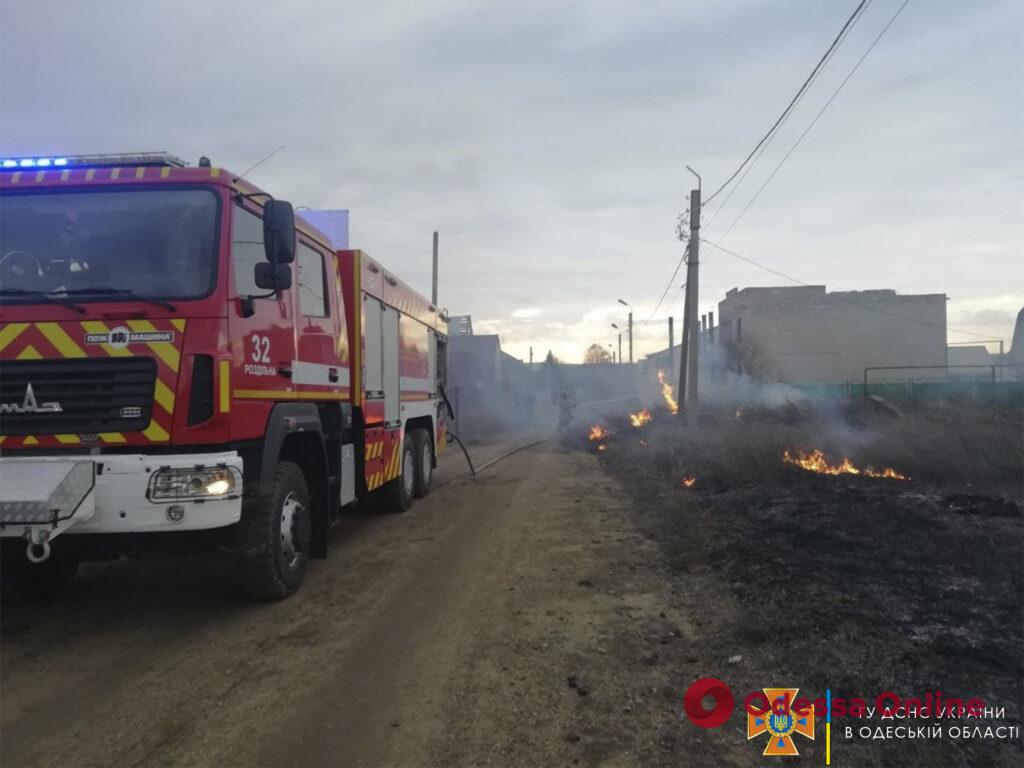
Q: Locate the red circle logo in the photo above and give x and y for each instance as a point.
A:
(717, 690)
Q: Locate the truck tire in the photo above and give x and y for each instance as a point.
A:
(40, 580)
(275, 532)
(423, 476)
(397, 495)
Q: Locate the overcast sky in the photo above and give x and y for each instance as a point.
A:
(548, 141)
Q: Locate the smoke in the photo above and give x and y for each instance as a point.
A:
(721, 384)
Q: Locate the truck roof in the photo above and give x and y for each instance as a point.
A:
(145, 172)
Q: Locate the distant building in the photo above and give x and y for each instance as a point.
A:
(805, 334)
(332, 222)
(971, 354)
(460, 325)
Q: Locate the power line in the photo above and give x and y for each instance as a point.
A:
(766, 268)
(815, 120)
(842, 37)
(792, 103)
(667, 287)
(764, 141)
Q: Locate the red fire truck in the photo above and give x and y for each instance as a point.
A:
(184, 360)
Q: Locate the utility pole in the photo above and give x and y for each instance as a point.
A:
(630, 336)
(689, 376)
(531, 358)
(627, 304)
(620, 347)
(671, 344)
(433, 285)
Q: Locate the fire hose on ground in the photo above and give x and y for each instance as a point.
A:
(474, 470)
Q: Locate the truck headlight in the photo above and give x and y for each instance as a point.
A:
(194, 483)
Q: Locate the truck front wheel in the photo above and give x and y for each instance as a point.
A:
(275, 531)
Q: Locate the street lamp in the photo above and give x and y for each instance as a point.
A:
(627, 304)
(620, 341)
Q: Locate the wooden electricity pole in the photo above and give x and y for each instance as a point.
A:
(433, 282)
(689, 357)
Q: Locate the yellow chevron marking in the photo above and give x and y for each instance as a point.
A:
(65, 175)
(67, 439)
(115, 174)
(155, 432)
(60, 340)
(90, 174)
(165, 172)
(164, 396)
(225, 386)
(95, 326)
(40, 175)
(112, 437)
(214, 173)
(140, 172)
(2, 438)
(165, 350)
(10, 332)
(29, 353)
(392, 465)
(177, 322)
(15, 177)
(378, 450)
(30, 440)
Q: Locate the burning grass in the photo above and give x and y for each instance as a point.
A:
(668, 393)
(640, 418)
(806, 563)
(815, 461)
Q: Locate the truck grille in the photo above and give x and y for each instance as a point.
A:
(95, 395)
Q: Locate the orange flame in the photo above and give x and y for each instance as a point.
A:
(640, 418)
(815, 461)
(598, 432)
(668, 393)
(689, 481)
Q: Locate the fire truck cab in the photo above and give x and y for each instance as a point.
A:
(185, 360)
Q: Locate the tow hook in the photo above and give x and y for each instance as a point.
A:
(38, 548)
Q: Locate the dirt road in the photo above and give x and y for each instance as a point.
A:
(515, 618)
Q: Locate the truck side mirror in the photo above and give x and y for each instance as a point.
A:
(273, 277)
(279, 231)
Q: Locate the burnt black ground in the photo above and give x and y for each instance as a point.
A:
(856, 584)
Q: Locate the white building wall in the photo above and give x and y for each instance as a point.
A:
(807, 335)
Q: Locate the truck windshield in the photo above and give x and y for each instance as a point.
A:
(108, 245)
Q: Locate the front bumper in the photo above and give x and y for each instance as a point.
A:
(42, 497)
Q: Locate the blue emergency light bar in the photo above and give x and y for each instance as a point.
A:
(92, 161)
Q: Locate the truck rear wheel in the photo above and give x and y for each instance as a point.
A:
(275, 531)
(397, 496)
(423, 475)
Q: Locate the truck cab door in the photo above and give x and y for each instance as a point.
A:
(262, 344)
(321, 364)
